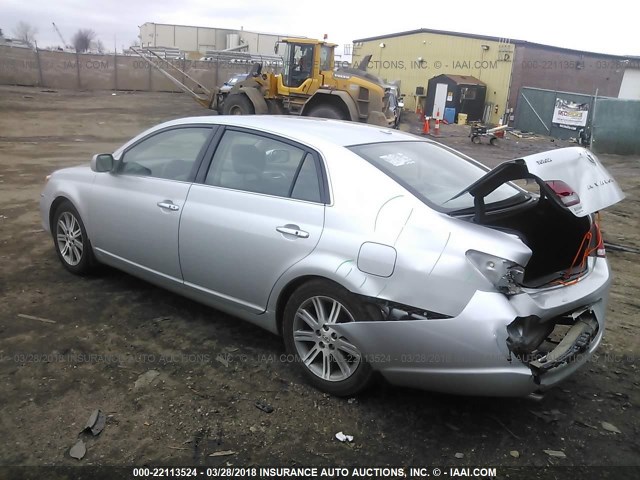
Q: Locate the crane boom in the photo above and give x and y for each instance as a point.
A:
(64, 44)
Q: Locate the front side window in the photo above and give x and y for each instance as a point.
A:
(325, 58)
(170, 154)
(253, 163)
(433, 173)
(299, 64)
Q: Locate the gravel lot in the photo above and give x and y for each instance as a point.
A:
(103, 332)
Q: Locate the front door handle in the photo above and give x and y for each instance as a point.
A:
(169, 205)
(294, 230)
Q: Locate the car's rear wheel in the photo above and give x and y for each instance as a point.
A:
(328, 360)
(71, 241)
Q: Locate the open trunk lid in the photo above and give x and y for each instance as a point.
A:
(573, 177)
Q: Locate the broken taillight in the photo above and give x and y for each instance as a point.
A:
(564, 192)
(505, 275)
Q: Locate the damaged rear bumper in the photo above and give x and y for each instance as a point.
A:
(469, 354)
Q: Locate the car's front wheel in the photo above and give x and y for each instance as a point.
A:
(71, 240)
(328, 360)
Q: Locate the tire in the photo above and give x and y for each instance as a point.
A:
(475, 139)
(71, 241)
(398, 120)
(345, 372)
(493, 141)
(238, 104)
(326, 111)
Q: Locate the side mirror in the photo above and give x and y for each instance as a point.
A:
(102, 162)
(276, 47)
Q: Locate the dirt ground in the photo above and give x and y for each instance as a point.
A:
(105, 331)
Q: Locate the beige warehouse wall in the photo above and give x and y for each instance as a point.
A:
(147, 34)
(165, 36)
(448, 54)
(262, 43)
(265, 43)
(207, 39)
(21, 66)
(186, 38)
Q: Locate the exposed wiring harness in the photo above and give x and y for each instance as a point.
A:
(583, 253)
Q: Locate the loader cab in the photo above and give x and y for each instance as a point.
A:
(305, 59)
(298, 64)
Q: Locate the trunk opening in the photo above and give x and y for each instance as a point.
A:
(554, 235)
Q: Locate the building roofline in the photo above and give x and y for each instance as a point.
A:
(221, 28)
(440, 32)
(573, 50)
(513, 41)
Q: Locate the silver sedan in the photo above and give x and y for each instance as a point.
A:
(368, 249)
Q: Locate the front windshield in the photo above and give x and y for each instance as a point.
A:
(432, 172)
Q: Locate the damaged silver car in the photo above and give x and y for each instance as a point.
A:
(369, 250)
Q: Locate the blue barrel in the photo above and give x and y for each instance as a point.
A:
(450, 114)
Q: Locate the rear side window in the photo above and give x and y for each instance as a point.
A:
(253, 163)
(432, 173)
(307, 186)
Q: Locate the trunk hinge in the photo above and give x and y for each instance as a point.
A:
(478, 203)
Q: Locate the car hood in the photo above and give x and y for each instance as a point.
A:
(576, 167)
(78, 169)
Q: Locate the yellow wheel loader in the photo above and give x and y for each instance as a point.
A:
(308, 85)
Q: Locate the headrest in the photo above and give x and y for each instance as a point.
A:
(247, 159)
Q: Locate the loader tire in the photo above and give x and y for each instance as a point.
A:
(326, 111)
(238, 104)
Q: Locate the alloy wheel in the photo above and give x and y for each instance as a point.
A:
(323, 351)
(69, 238)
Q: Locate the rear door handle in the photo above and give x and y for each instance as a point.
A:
(169, 205)
(294, 230)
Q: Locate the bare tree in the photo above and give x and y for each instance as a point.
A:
(26, 33)
(82, 39)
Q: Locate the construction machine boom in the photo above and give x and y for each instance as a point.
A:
(55, 27)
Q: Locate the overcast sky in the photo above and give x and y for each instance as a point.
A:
(611, 27)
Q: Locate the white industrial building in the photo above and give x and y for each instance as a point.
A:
(206, 39)
(630, 86)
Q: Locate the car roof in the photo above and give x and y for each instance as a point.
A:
(310, 130)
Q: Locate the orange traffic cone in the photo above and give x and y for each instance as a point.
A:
(425, 126)
(436, 130)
